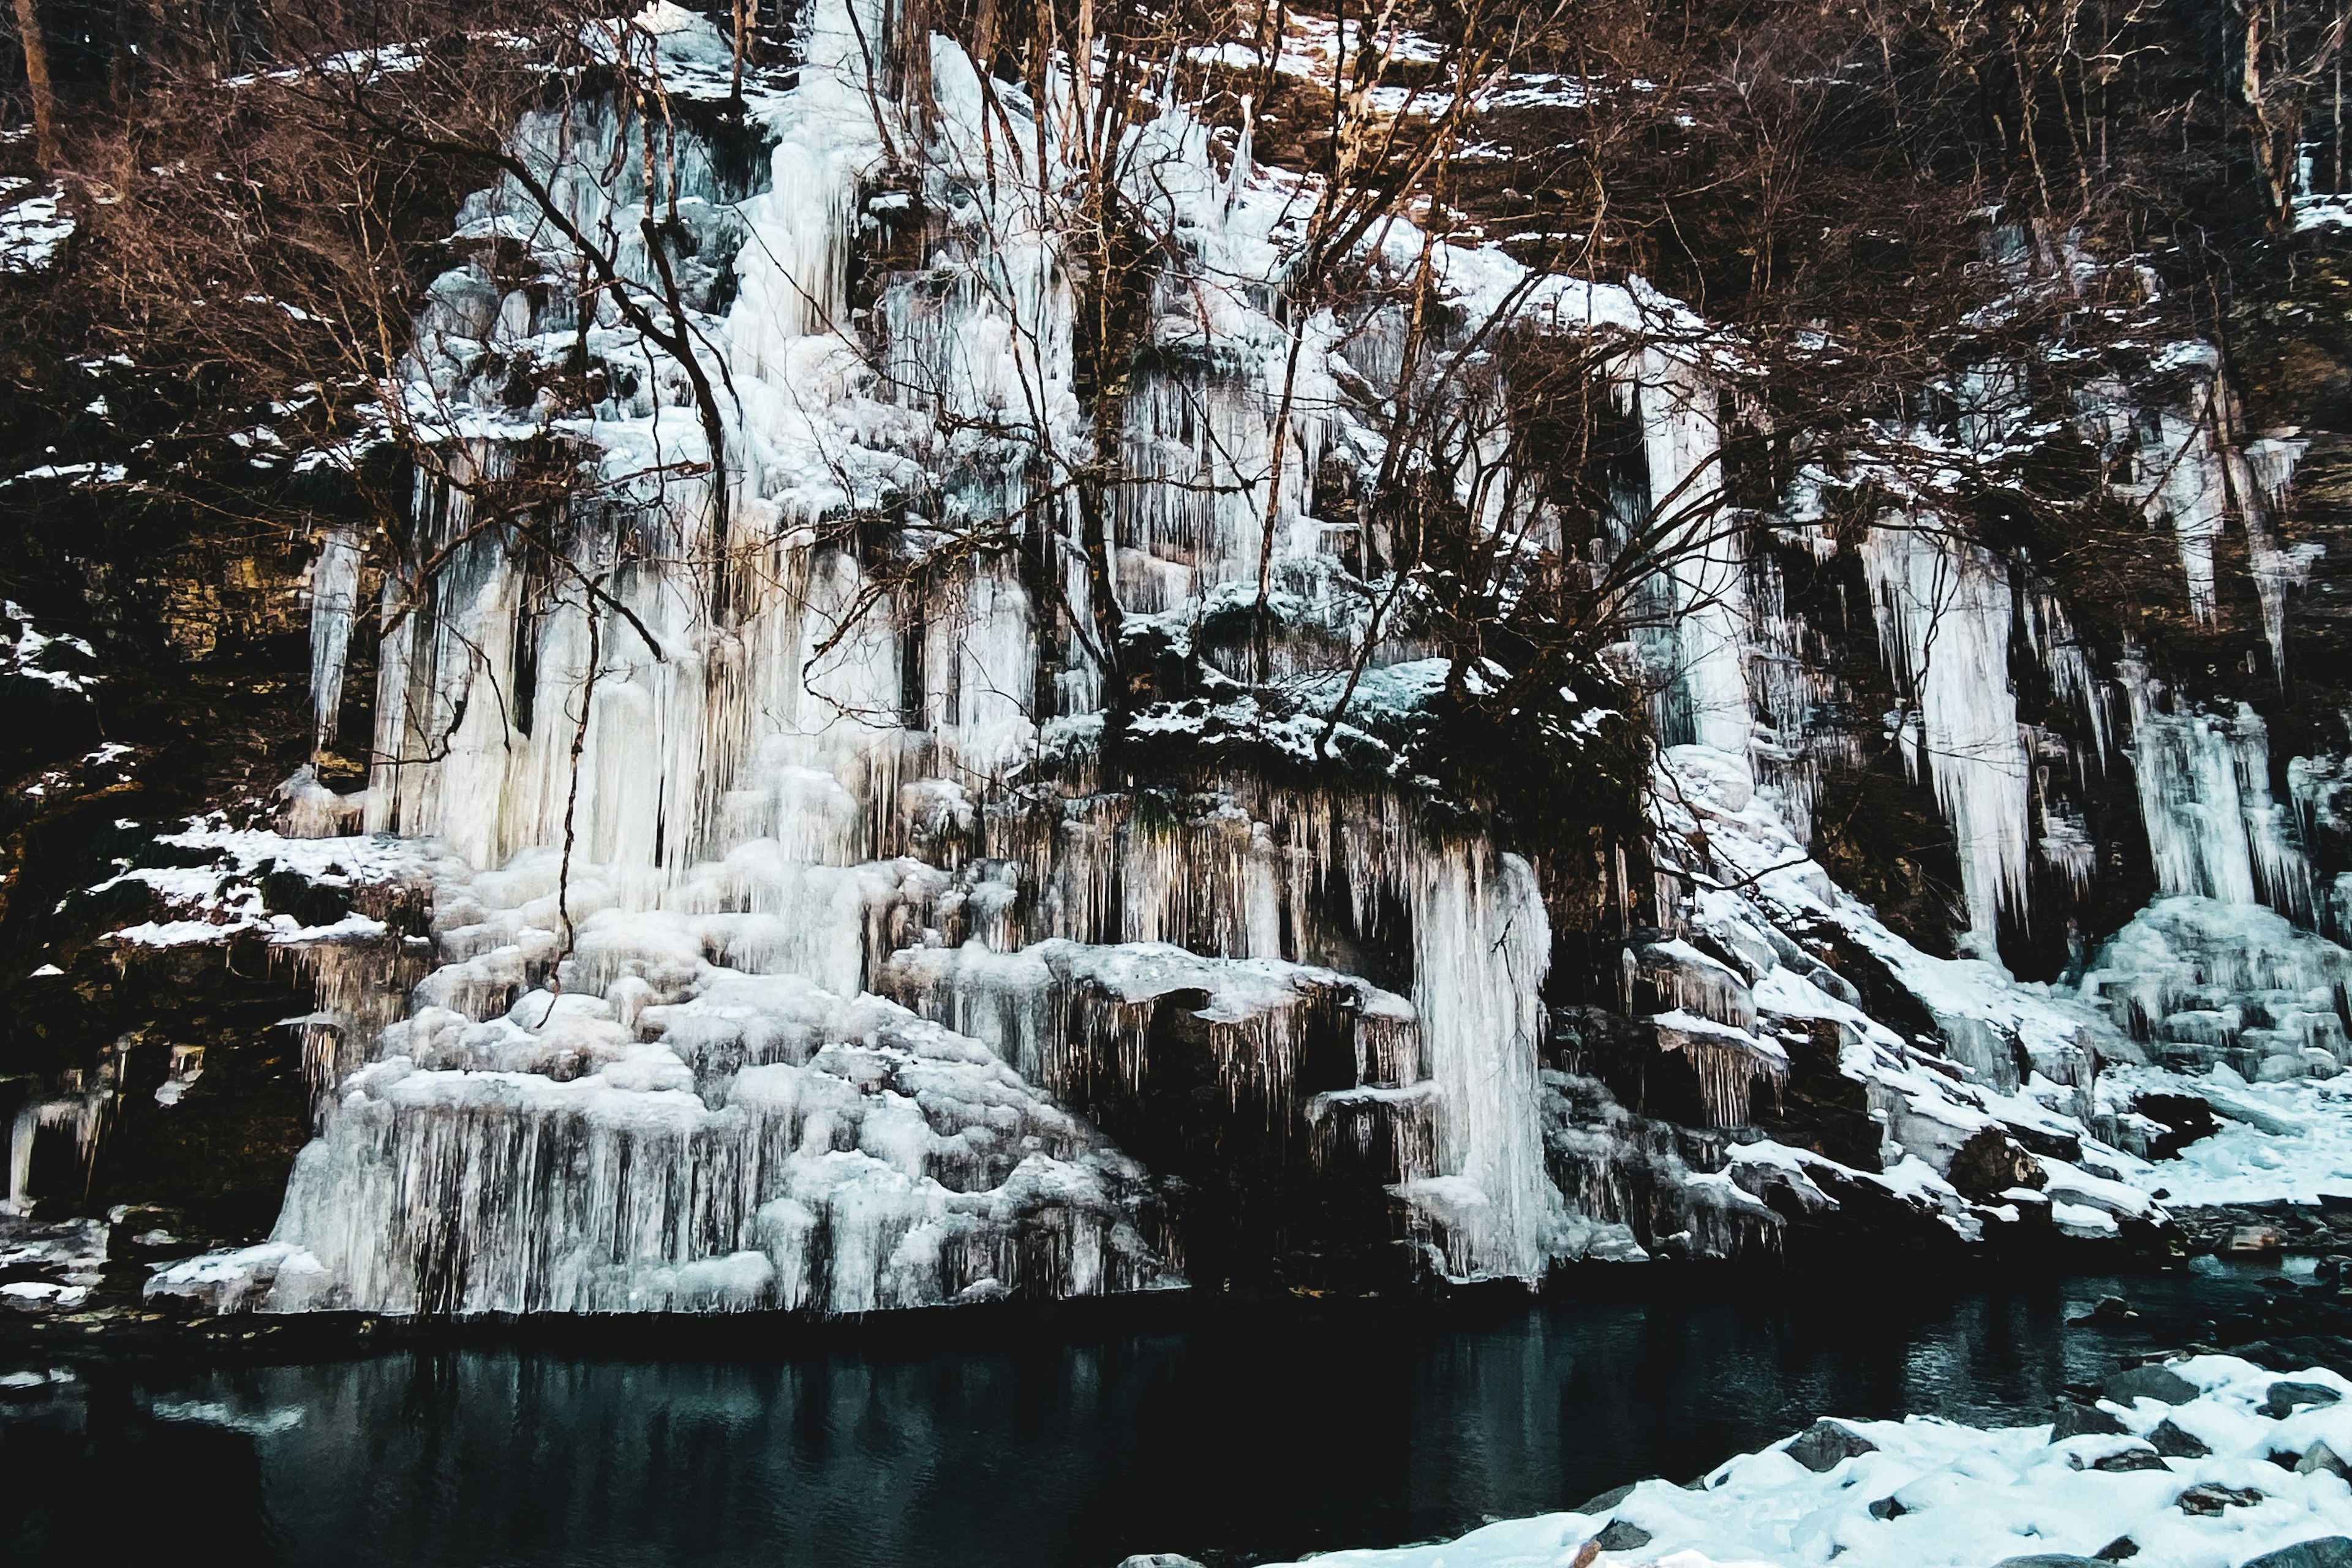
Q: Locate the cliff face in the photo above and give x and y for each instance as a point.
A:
(901, 692)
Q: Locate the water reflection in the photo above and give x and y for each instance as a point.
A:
(1248, 1438)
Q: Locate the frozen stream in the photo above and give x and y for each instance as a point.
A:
(1253, 1438)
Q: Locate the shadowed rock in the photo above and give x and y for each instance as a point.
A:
(2158, 1382)
(1825, 1444)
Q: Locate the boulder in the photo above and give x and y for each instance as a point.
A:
(2286, 1396)
(1606, 1500)
(2210, 1498)
(2176, 1442)
(1825, 1444)
(2074, 1419)
(2130, 1459)
(2109, 1310)
(2320, 1457)
(1621, 1535)
(1990, 1163)
(2327, 1552)
(2158, 1382)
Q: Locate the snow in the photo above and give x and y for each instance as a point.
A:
(2300, 1152)
(2323, 212)
(33, 226)
(1964, 1497)
(28, 654)
(222, 897)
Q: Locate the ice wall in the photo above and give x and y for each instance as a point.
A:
(789, 936)
(2213, 830)
(803, 946)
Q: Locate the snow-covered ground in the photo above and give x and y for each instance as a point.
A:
(2290, 1141)
(1925, 1493)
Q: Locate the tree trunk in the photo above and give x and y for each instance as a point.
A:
(37, 77)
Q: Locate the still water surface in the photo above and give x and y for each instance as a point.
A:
(1247, 1438)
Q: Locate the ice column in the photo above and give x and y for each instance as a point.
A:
(1482, 945)
(1944, 624)
(334, 597)
(1700, 551)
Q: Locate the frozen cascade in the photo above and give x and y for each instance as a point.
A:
(654, 1073)
(1481, 945)
(2187, 470)
(2191, 489)
(2205, 981)
(1707, 578)
(1945, 622)
(2213, 830)
(768, 1146)
(334, 600)
(854, 940)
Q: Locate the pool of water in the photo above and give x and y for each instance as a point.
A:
(1245, 1437)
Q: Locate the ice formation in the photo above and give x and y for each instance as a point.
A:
(763, 977)
(1945, 616)
(792, 942)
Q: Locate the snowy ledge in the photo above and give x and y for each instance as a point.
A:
(2263, 1487)
(223, 897)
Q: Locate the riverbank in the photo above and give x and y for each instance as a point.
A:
(2198, 1461)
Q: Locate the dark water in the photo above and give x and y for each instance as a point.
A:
(1249, 1438)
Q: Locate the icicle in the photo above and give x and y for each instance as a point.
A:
(1705, 560)
(2204, 787)
(1481, 946)
(334, 600)
(1944, 624)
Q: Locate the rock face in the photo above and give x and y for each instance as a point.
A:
(821, 866)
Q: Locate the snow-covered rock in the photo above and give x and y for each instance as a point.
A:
(1928, 1493)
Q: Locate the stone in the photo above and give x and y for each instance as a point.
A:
(1159, 1560)
(2184, 1118)
(2327, 1552)
(1888, 1507)
(2130, 1459)
(2074, 1419)
(2286, 1396)
(2176, 1442)
(2117, 1550)
(2320, 1457)
(1825, 1444)
(1606, 1500)
(2158, 1382)
(2050, 1560)
(2210, 1498)
(1990, 1162)
(1621, 1535)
